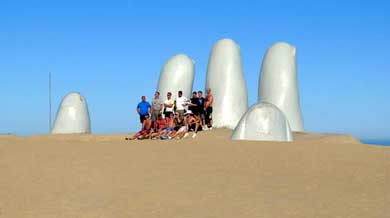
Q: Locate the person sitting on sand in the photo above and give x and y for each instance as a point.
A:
(159, 126)
(169, 131)
(180, 133)
(193, 122)
(145, 131)
(178, 122)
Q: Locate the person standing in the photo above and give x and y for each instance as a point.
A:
(181, 103)
(194, 105)
(169, 103)
(143, 109)
(208, 107)
(157, 106)
(201, 111)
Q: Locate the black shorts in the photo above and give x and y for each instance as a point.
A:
(209, 112)
(167, 114)
(142, 117)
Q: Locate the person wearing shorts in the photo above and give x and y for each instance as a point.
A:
(208, 107)
(181, 103)
(169, 131)
(193, 123)
(143, 109)
(159, 126)
(178, 123)
(181, 133)
(202, 113)
(157, 106)
(194, 103)
(145, 131)
(209, 116)
(168, 106)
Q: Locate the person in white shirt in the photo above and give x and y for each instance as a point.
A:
(168, 105)
(181, 103)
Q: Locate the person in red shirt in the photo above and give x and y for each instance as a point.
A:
(159, 126)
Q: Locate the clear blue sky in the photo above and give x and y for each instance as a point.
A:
(112, 52)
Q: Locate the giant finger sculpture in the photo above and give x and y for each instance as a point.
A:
(177, 75)
(278, 82)
(226, 80)
(72, 115)
(263, 122)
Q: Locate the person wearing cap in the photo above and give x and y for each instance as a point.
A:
(192, 122)
(182, 131)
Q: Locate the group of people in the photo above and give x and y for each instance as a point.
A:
(174, 118)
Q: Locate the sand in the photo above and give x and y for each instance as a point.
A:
(105, 176)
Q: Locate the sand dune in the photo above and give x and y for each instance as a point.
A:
(317, 175)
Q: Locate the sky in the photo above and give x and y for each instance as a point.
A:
(112, 52)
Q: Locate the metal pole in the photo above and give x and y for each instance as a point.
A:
(49, 102)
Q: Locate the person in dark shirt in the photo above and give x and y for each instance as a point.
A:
(201, 111)
(194, 105)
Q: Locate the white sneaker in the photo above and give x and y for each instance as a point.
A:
(194, 135)
(185, 135)
(211, 128)
(205, 128)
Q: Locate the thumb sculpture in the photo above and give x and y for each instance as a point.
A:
(72, 115)
(278, 82)
(177, 75)
(263, 122)
(226, 80)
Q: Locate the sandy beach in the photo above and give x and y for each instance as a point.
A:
(317, 175)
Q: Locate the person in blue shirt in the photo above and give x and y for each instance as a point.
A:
(143, 108)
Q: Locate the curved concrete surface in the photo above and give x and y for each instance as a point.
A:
(278, 82)
(263, 122)
(226, 80)
(177, 74)
(72, 115)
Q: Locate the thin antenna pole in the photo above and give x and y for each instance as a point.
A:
(49, 102)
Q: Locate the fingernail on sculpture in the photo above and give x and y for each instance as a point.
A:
(226, 80)
(278, 82)
(177, 75)
(72, 115)
(263, 122)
